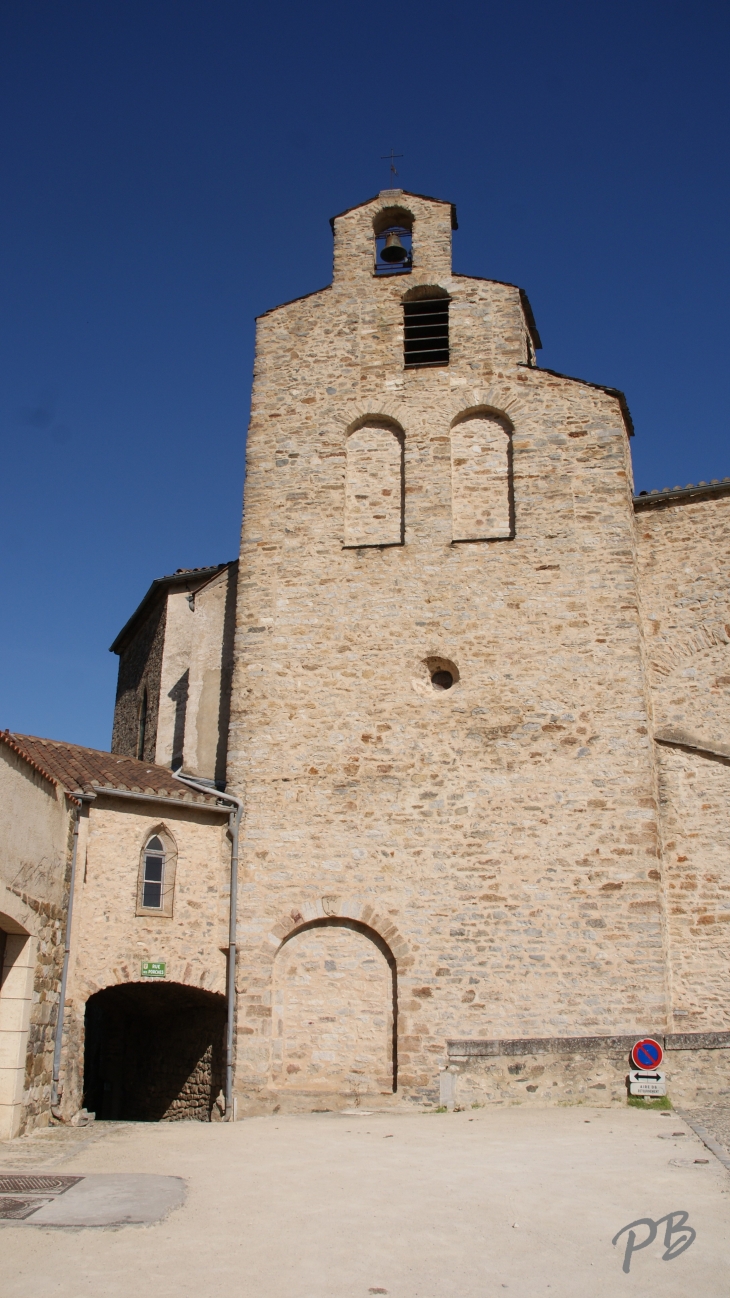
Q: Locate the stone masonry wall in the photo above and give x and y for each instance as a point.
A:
(195, 680)
(505, 829)
(684, 558)
(36, 837)
(695, 803)
(592, 1072)
(140, 665)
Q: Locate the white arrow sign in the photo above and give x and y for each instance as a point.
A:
(643, 1082)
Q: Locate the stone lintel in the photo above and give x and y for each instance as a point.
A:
(476, 1048)
(697, 1041)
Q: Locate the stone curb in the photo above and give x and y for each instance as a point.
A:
(719, 1151)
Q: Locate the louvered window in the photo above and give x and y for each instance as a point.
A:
(426, 332)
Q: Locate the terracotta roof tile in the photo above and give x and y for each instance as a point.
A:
(90, 769)
(12, 742)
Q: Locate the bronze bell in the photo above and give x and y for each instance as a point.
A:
(393, 250)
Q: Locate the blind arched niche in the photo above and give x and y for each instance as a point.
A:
(374, 485)
(481, 478)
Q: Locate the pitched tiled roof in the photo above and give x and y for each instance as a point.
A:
(678, 495)
(89, 770)
(11, 742)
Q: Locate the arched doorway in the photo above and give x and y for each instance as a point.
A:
(154, 1052)
(334, 1012)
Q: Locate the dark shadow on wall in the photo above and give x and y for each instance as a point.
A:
(179, 695)
(224, 713)
(140, 666)
(154, 1052)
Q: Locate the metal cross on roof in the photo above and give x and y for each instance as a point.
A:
(390, 157)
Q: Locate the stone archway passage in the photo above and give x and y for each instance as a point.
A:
(334, 1012)
(154, 1052)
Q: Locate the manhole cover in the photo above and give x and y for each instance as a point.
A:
(16, 1208)
(12, 1184)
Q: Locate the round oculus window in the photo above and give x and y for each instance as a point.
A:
(442, 680)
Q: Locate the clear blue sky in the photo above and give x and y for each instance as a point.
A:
(168, 171)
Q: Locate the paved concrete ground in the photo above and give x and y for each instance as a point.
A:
(482, 1204)
(101, 1199)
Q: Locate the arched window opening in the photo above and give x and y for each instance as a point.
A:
(156, 881)
(481, 479)
(426, 328)
(393, 251)
(154, 875)
(142, 725)
(374, 486)
(393, 229)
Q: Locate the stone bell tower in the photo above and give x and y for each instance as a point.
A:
(439, 706)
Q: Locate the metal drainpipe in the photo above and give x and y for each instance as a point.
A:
(56, 1088)
(234, 821)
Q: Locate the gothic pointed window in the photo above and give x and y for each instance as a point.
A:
(154, 875)
(156, 884)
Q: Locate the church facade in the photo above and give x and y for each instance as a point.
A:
(473, 694)
(479, 703)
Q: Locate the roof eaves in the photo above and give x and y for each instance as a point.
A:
(406, 193)
(84, 771)
(600, 387)
(292, 300)
(185, 577)
(205, 802)
(12, 743)
(682, 495)
(530, 320)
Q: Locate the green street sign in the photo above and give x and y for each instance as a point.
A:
(153, 969)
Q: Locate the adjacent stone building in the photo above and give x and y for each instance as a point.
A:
(36, 826)
(474, 695)
(144, 1014)
(175, 665)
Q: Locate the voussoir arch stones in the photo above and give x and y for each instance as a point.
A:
(674, 653)
(360, 913)
(181, 971)
(499, 399)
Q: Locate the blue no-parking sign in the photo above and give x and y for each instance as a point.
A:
(647, 1053)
